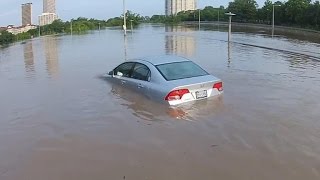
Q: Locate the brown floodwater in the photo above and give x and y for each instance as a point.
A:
(59, 120)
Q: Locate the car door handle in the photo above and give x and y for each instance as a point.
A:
(140, 86)
(123, 82)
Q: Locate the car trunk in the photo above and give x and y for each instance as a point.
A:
(195, 83)
(198, 88)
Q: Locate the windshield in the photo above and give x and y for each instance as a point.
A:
(180, 70)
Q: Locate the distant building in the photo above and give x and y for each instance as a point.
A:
(49, 12)
(173, 7)
(3, 29)
(21, 29)
(49, 6)
(26, 14)
(47, 18)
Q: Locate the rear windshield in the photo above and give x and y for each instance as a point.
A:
(180, 70)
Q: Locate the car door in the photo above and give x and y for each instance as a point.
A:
(140, 78)
(123, 72)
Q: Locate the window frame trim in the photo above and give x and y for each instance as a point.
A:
(148, 75)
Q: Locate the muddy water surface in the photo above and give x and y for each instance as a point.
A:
(60, 120)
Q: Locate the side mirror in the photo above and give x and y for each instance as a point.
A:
(119, 74)
(110, 73)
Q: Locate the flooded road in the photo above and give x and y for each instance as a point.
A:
(60, 120)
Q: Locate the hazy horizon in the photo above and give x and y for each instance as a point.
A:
(10, 11)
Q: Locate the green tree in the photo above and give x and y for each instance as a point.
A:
(23, 36)
(6, 38)
(295, 10)
(312, 15)
(266, 11)
(246, 10)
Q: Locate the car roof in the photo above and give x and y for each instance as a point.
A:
(157, 60)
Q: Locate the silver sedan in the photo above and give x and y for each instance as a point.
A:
(170, 79)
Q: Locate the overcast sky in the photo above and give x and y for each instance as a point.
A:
(10, 10)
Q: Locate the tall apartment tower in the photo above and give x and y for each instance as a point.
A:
(26, 14)
(173, 7)
(49, 12)
(49, 6)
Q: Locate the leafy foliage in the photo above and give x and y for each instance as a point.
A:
(79, 25)
(6, 38)
(246, 10)
(298, 13)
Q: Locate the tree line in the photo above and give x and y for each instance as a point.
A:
(79, 25)
(298, 13)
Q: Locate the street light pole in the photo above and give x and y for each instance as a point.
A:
(230, 19)
(71, 29)
(199, 18)
(229, 36)
(39, 26)
(124, 18)
(273, 5)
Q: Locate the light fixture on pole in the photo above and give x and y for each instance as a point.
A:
(273, 5)
(124, 18)
(230, 19)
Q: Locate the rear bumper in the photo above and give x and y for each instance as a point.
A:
(191, 97)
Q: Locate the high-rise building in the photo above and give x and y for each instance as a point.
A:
(49, 12)
(49, 6)
(47, 18)
(173, 7)
(26, 14)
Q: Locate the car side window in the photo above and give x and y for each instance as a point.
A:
(124, 69)
(141, 72)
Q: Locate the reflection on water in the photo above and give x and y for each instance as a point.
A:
(51, 54)
(183, 45)
(229, 53)
(150, 110)
(28, 57)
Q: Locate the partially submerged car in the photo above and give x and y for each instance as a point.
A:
(170, 79)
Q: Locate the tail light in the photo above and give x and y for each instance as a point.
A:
(176, 94)
(218, 86)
